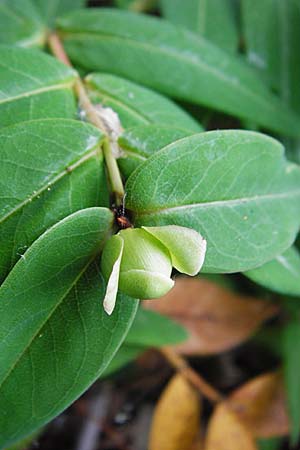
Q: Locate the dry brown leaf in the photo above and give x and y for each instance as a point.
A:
(261, 405)
(175, 424)
(198, 444)
(216, 318)
(227, 432)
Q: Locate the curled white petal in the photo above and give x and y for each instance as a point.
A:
(110, 298)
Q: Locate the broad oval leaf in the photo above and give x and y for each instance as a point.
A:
(55, 338)
(174, 61)
(49, 10)
(21, 24)
(139, 143)
(34, 86)
(137, 105)
(281, 274)
(213, 19)
(234, 187)
(49, 169)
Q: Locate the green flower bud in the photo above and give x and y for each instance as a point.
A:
(139, 261)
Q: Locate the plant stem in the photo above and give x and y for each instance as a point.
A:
(93, 117)
(182, 366)
(114, 173)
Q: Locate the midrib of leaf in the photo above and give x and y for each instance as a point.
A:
(222, 203)
(93, 35)
(37, 38)
(133, 154)
(26, 94)
(52, 311)
(129, 108)
(57, 178)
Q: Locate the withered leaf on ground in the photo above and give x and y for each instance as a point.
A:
(227, 432)
(175, 424)
(216, 318)
(261, 405)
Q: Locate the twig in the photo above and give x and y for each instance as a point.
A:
(114, 173)
(182, 366)
(96, 412)
(93, 117)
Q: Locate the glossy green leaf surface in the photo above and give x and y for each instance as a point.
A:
(173, 61)
(234, 187)
(49, 10)
(21, 24)
(291, 369)
(139, 143)
(137, 105)
(51, 304)
(213, 19)
(34, 86)
(49, 169)
(281, 274)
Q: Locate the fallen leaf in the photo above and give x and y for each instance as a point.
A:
(216, 318)
(175, 424)
(198, 444)
(226, 431)
(261, 405)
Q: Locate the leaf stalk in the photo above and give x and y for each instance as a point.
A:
(93, 117)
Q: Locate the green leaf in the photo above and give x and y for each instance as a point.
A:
(139, 143)
(151, 329)
(281, 274)
(272, 32)
(25, 443)
(213, 19)
(270, 443)
(21, 24)
(125, 355)
(234, 187)
(49, 10)
(34, 86)
(260, 27)
(291, 370)
(49, 169)
(137, 105)
(173, 61)
(55, 338)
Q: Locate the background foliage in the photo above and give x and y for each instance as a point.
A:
(177, 74)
